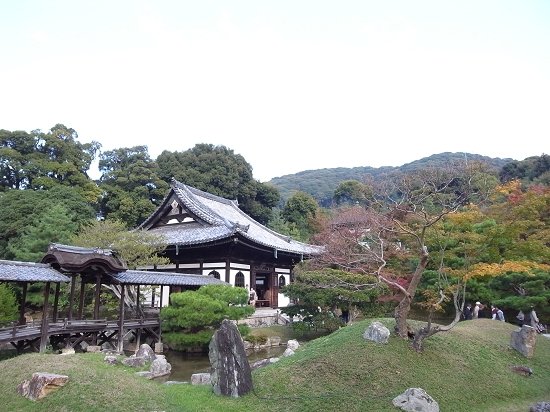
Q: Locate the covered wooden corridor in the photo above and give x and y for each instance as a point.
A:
(64, 264)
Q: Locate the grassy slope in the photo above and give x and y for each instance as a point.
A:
(467, 369)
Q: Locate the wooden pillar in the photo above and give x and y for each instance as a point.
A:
(137, 302)
(153, 289)
(81, 301)
(22, 319)
(161, 295)
(96, 304)
(71, 297)
(96, 295)
(138, 338)
(227, 270)
(121, 320)
(56, 301)
(44, 326)
(275, 294)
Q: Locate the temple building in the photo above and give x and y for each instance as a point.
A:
(209, 235)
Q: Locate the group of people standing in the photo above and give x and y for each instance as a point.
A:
(528, 317)
(478, 311)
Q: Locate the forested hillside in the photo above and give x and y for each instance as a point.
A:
(321, 183)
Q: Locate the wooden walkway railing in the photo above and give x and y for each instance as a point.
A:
(28, 333)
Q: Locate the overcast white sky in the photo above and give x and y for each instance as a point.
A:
(289, 85)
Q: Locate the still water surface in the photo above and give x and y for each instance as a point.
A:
(186, 364)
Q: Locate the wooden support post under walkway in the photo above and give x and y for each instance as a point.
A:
(71, 297)
(56, 302)
(81, 301)
(22, 319)
(120, 347)
(44, 327)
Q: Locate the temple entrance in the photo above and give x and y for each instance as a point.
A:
(263, 290)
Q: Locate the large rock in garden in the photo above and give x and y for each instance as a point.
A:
(524, 340)
(293, 344)
(540, 407)
(160, 367)
(263, 362)
(230, 371)
(134, 361)
(111, 360)
(416, 400)
(41, 384)
(377, 332)
(146, 352)
(200, 379)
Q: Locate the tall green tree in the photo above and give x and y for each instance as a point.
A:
(218, 170)
(300, 210)
(130, 184)
(8, 304)
(352, 192)
(39, 160)
(23, 209)
(54, 226)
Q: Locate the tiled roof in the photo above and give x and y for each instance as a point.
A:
(144, 277)
(80, 250)
(15, 271)
(222, 219)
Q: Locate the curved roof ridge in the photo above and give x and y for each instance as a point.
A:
(239, 227)
(187, 196)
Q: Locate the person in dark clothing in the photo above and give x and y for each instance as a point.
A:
(467, 313)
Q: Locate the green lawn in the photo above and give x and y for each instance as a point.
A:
(467, 369)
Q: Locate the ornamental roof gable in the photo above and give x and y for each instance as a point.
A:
(189, 216)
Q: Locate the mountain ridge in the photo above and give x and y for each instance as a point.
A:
(321, 183)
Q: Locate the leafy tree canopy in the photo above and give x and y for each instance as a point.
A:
(23, 209)
(218, 170)
(40, 160)
(137, 248)
(352, 192)
(300, 210)
(535, 169)
(8, 304)
(131, 185)
(55, 225)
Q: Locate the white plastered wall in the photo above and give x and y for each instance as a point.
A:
(283, 300)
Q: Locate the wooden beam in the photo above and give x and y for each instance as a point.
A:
(44, 326)
(22, 320)
(120, 347)
(56, 301)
